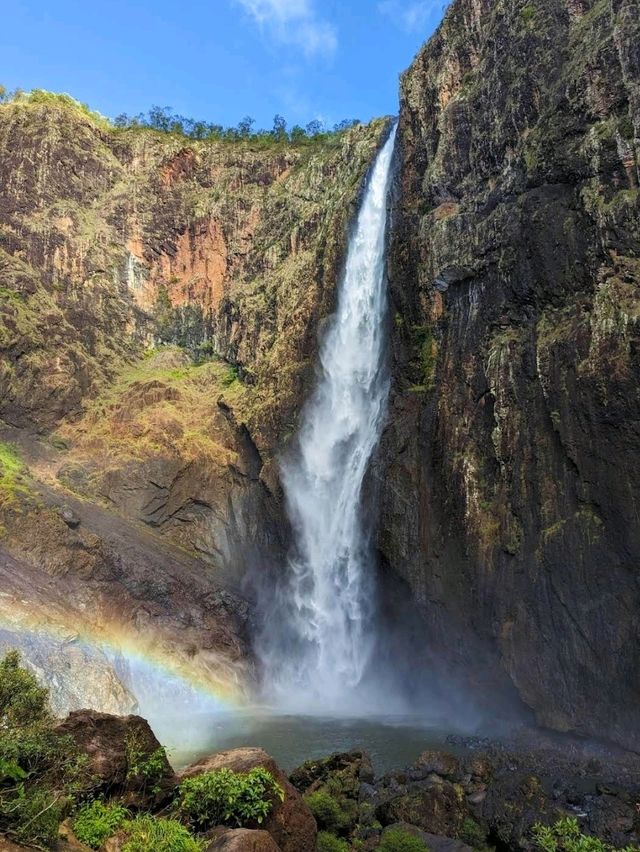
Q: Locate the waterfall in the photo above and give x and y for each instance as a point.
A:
(320, 629)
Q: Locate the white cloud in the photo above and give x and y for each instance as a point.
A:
(411, 15)
(294, 22)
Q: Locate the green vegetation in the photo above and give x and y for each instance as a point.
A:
(41, 772)
(153, 834)
(164, 120)
(327, 842)
(565, 836)
(147, 770)
(397, 840)
(224, 797)
(327, 811)
(96, 822)
(11, 471)
(473, 835)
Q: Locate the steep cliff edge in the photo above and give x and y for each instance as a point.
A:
(508, 467)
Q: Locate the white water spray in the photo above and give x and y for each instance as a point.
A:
(319, 637)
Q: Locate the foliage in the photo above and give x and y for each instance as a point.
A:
(11, 468)
(565, 836)
(40, 771)
(397, 840)
(152, 834)
(96, 822)
(326, 810)
(224, 797)
(144, 768)
(22, 701)
(473, 834)
(327, 842)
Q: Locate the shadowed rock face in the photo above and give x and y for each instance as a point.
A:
(509, 486)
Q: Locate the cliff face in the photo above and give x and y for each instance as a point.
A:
(224, 256)
(111, 238)
(510, 485)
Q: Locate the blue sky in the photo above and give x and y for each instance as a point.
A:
(218, 60)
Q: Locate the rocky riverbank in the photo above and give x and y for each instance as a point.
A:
(486, 795)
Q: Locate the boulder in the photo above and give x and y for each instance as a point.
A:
(434, 842)
(437, 806)
(242, 840)
(347, 770)
(118, 749)
(290, 823)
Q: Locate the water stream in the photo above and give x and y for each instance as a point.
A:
(320, 632)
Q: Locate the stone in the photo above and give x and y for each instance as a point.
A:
(290, 823)
(70, 518)
(111, 743)
(434, 842)
(243, 840)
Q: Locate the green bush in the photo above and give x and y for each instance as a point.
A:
(224, 797)
(326, 810)
(96, 822)
(22, 700)
(152, 834)
(33, 815)
(473, 834)
(565, 836)
(397, 840)
(147, 770)
(327, 842)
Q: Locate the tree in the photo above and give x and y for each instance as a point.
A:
(298, 134)
(22, 700)
(345, 124)
(279, 128)
(160, 118)
(245, 127)
(4, 95)
(315, 128)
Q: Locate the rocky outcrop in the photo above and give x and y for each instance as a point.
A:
(290, 822)
(508, 495)
(123, 757)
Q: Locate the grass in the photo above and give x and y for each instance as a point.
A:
(162, 404)
(12, 471)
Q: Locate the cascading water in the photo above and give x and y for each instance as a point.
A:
(320, 632)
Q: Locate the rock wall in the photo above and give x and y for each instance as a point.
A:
(105, 234)
(508, 469)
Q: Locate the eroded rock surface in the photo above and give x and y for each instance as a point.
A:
(508, 486)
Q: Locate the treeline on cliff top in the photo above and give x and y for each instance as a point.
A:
(164, 120)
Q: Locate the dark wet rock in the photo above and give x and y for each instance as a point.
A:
(345, 770)
(290, 823)
(507, 492)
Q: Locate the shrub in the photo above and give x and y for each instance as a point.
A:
(96, 822)
(327, 842)
(565, 836)
(473, 834)
(33, 815)
(22, 700)
(224, 797)
(152, 834)
(397, 840)
(326, 810)
(146, 769)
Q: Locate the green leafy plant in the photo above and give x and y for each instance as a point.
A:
(224, 797)
(326, 810)
(397, 840)
(327, 842)
(146, 770)
(152, 834)
(96, 822)
(473, 834)
(565, 836)
(22, 700)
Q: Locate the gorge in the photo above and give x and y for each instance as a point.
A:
(344, 426)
